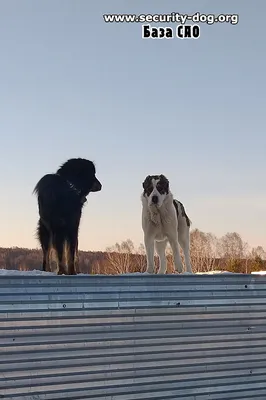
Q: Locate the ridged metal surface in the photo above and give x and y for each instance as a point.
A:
(133, 337)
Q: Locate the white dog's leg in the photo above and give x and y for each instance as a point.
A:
(149, 246)
(160, 250)
(185, 247)
(183, 239)
(176, 254)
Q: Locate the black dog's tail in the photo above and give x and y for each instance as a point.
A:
(47, 187)
(42, 184)
(48, 183)
(48, 191)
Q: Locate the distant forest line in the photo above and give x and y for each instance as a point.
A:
(208, 253)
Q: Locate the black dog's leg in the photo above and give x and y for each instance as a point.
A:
(44, 237)
(72, 252)
(77, 259)
(58, 243)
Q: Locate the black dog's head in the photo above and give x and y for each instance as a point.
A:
(82, 174)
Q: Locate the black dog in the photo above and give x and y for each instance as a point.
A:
(61, 197)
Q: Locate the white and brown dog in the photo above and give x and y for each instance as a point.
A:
(164, 220)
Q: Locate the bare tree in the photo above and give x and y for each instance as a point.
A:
(233, 249)
(203, 250)
(125, 258)
(257, 257)
(119, 257)
(258, 252)
(232, 246)
(141, 258)
(170, 269)
(98, 268)
(87, 267)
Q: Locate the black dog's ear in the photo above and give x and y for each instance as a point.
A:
(146, 182)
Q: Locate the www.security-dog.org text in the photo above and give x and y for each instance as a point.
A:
(188, 25)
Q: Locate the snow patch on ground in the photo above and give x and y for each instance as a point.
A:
(16, 272)
(259, 273)
(36, 272)
(218, 272)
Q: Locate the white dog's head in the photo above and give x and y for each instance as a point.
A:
(156, 189)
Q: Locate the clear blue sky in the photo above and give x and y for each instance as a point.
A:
(194, 110)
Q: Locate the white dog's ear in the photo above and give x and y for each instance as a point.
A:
(163, 178)
(164, 184)
(146, 182)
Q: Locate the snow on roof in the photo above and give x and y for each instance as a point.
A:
(35, 272)
(17, 272)
(259, 273)
(217, 272)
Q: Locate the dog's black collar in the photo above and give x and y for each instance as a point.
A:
(78, 192)
(73, 187)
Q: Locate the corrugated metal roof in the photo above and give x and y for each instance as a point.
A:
(133, 337)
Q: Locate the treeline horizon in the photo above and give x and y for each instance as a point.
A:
(228, 253)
